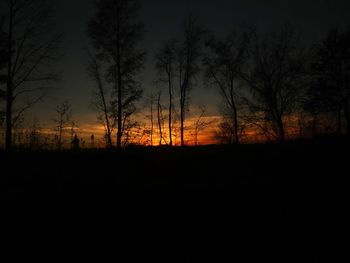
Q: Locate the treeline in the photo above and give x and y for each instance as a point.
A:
(28, 51)
(273, 86)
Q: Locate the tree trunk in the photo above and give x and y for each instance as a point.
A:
(160, 120)
(9, 91)
(105, 111)
(119, 80)
(235, 118)
(108, 127)
(119, 132)
(152, 124)
(104, 104)
(182, 119)
(170, 111)
(9, 118)
(281, 132)
(182, 112)
(109, 137)
(235, 115)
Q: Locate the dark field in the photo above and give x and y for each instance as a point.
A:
(301, 168)
(284, 203)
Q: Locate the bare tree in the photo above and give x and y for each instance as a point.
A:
(166, 59)
(330, 89)
(276, 76)
(73, 128)
(149, 104)
(92, 141)
(100, 100)
(62, 121)
(152, 122)
(188, 57)
(115, 32)
(160, 117)
(223, 64)
(131, 130)
(200, 124)
(34, 136)
(3, 62)
(31, 49)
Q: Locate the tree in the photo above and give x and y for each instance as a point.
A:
(92, 141)
(189, 54)
(166, 59)
(276, 76)
(149, 104)
(63, 120)
(34, 135)
(151, 118)
(330, 89)
(200, 124)
(100, 100)
(223, 63)
(31, 48)
(3, 62)
(75, 143)
(115, 32)
(160, 117)
(225, 133)
(73, 127)
(3, 59)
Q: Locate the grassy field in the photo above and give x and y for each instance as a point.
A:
(269, 201)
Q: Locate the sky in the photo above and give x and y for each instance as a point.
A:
(163, 20)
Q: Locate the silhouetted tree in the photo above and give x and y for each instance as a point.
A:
(31, 49)
(131, 129)
(200, 124)
(223, 65)
(224, 133)
(73, 128)
(150, 101)
(276, 76)
(166, 60)
(63, 120)
(33, 135)
(75, 143)
(3, 62)
(115, 32)
(100, 100)
(160, 117)
(92, 140)
(189, 54)
(330, 89)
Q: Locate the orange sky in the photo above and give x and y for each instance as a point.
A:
(206, 136)
(89, 125)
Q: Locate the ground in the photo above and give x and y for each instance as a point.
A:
(270, 201)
